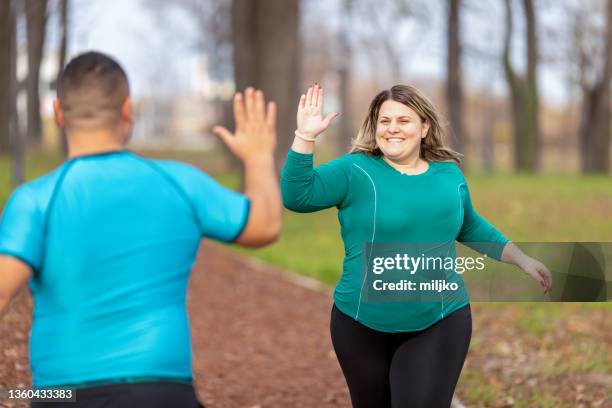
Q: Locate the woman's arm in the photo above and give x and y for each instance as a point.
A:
(303, 187)
(477, 233)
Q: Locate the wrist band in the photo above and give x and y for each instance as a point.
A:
(301, 136)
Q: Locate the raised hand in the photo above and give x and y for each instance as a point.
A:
(310, 120)
(255, 134)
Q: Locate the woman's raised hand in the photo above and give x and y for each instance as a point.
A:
(310, 120)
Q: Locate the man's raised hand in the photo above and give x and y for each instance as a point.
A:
(255, 134)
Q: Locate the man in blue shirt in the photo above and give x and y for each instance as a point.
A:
(107, 241)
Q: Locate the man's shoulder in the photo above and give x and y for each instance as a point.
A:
(40, 188)
(35, 195)
(187, 176)
(177, 168)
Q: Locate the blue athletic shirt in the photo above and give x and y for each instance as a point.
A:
(111, 239)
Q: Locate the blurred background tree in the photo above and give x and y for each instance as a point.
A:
(36, 22)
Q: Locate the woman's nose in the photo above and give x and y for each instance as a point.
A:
(392, 127)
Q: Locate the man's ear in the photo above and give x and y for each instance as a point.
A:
(59, 113)
(126, 110)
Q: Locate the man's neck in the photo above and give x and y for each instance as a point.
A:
(94, 142)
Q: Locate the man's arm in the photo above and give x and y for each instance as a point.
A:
(14, 273)
(261, 187)
(253, 142)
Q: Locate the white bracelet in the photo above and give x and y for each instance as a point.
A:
(301, 136)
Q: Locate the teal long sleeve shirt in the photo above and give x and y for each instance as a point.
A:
(378, 204)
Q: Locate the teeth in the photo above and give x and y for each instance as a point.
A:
(395, 140)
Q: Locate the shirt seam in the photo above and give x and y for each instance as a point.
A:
(175, 185)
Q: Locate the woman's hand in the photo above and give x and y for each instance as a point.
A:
(310, 121)
(538, 271)
(532, 267)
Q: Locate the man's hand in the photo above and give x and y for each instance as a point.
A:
(255, 134)
(253, 143)
(13, 275)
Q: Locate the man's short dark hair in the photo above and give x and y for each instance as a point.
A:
(91, 90)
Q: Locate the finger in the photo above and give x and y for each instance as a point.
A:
(249, 103)
(260, 112)
(302, 102)
(271, 116)
(224, 134)
(315, 96)
(328, 119)
(309, 97)
(320, 100)
(546, 284)
(239, 114)
(545, 277)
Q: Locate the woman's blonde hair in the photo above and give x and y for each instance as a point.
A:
(432, 146)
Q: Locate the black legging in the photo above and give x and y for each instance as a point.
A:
(402, 370)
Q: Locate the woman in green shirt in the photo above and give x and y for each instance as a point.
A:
(399, 184)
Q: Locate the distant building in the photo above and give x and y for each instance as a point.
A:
(182, 120)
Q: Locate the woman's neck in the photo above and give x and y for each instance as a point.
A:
(414, 165)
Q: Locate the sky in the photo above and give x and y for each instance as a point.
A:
(129, 31)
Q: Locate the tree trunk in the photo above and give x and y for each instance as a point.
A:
(6, 39)
(454, 91)
(524, 94)
(346, 133)
(267, 56)
(488, 133)
(596, 113)
(36, 16)
(17, 145)
(63, 22)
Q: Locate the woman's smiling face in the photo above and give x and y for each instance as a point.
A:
(399, 131)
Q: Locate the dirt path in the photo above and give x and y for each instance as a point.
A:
(259, 340)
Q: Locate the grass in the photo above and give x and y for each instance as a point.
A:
(477, 388)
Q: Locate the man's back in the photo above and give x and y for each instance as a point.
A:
(111, 238)
(107, 240)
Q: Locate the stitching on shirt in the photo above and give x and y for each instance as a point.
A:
(348, 186)
(461, 209)
(174, 184)
(372, 240)
(56, 188)
(461, 217)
